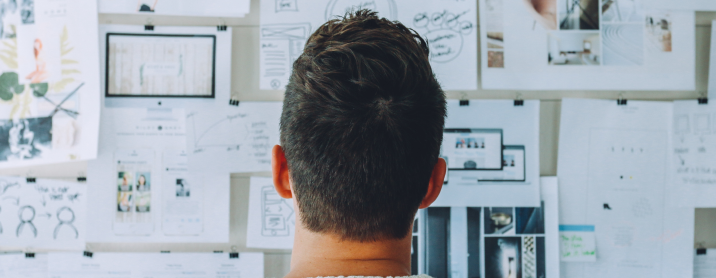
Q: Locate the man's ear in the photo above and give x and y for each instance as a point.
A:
(436, 183)
(279, 167)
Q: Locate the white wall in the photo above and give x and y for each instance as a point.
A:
(245, 73)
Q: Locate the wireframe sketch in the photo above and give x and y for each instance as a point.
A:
(623, 44)
(621, 11)
(658, 32)
(146, 5)
(27, 11)
(286, 6)
(276, 214)
(160, 65)
(681, 124)
(385, 8)
(578, 14)
(66, 218)
(444, 33)
(22, 139)
(281, 44)
(574, 48)
(702, 124)
(249, 135)
(26, 215)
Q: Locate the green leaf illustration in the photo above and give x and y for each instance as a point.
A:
(39, 89)
(8, 85)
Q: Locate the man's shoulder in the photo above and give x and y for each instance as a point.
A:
(414, 276)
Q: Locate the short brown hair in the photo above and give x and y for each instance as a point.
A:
(361, 127)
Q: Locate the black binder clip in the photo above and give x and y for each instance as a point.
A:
(234, 102)
(221, 28)
(149, 26)
(234, 254)
(87, 254)
(701, 251)
(621, 100)
(29, 255)
(703, 99)
(31, 180)
(519, 101)
(81, 179)
(464, 102)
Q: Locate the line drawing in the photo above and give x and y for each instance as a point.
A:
(281, 44)
(276, 214)
(385, 8)
(444, 31)
(6, 185)
(65, 220)
(26, 220)
(16, 199)
(286, 6)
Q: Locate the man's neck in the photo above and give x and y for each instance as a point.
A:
(326, 255)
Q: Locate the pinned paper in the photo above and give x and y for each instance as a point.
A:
(577, 243)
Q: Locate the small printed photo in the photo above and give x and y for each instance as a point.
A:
(125, 180)
(495, 59)
(503, 257)
(621, 11)
(623, 44)
(658, 32)
(144, 200)
(470, 143)
(144, 181)
(508, 160)
(499, 221)
(530, 220)
(25, 139)
(27, 11)
(182, 188)
(495, 40)
(578, 14)
(125, 201)
(146, 6)
(574, 48)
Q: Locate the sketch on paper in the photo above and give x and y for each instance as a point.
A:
(385, 8)
(277, 214)
(43, 213)
(286, 6)
(281, 44)
(245, 135)
(444, 33)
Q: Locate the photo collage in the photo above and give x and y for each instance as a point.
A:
(495, 34)
(617, 34)
(490, 242)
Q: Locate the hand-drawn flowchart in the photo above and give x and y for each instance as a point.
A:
(449, 27)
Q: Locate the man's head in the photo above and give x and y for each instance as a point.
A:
(361, 129)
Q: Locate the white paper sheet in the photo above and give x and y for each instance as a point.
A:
(683, 5)
(519, 126)
(136, 265)
(49, 111)
(712, 63)
(469, 242)
(170, 66)
(597, 46)
(693, 166)
(449, 26)
(230, 139)
(213, 8)
(272, 219)
(141, 188)
(705, 264)
(20, 265)
(577, 243)
(614, 173)
(46, 214)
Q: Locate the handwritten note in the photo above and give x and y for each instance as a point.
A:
(577, 243)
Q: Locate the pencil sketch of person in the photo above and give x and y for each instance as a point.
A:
(66, 217)
(26, 214)
(40, 73)
(143, 6)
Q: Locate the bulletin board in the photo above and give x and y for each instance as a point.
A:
(245, 87)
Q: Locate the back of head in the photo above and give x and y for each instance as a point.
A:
(361, 127)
